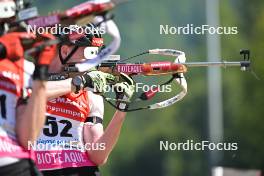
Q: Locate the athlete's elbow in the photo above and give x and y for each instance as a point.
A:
(23, 141)
(25, 137)
(26, 140)
(103, 162)
(100, 162)
(97, 160)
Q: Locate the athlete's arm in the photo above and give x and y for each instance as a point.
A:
(93, 133)
(58, 88)
(93, 80)
(31, 116)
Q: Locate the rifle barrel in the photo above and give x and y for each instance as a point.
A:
(221, 64)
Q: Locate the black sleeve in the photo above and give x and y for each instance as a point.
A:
(2, 51)
(22, 101)
(94, 120)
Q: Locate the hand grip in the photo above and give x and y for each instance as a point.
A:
(159, 68)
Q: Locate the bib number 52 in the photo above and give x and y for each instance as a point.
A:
(51, 128)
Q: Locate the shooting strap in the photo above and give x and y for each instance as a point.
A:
(179, 79)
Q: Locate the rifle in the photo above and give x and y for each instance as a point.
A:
(80, 14)
(176, 69)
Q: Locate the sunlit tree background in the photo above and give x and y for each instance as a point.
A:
(137, 151)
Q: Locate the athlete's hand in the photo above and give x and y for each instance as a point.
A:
(48, 53)
(124, 91)
(12, 45)
(44, 57)
(95, 81)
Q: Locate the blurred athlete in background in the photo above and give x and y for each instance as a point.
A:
(21, 116)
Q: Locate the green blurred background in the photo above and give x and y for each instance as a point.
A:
(137, 151)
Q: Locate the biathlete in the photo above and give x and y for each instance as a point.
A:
(74, 138)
